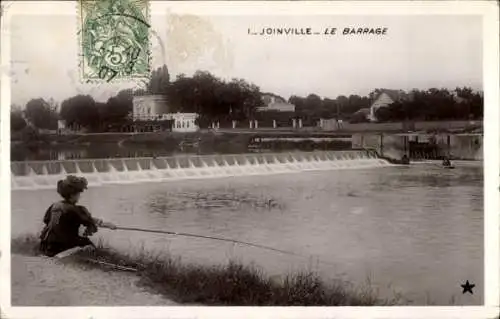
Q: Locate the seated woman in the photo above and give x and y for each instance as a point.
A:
(63, 219)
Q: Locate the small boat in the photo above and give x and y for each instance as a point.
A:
(447, 164)
(189, 144)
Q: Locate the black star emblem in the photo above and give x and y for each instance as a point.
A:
(468, 287)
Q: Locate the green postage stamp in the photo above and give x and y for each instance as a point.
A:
(114, 39)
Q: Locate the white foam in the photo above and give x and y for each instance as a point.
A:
(279, 163)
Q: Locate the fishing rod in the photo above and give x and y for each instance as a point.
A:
(119, 267)
(208, 237)
(221, 239)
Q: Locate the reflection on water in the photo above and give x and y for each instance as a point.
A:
(416, 230)
(106, 149)
(163, 203)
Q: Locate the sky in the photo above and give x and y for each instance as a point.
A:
(417, 52)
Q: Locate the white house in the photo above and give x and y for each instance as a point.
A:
(273, 102)
(155, 108)
(384, 99)
(61, 124)
(330, 124)
(62, 128)
(184, 122)
(149, 107)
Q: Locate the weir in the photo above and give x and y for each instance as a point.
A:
(45, 174)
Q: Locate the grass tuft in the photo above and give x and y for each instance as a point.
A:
(231, 284)
(25, 245)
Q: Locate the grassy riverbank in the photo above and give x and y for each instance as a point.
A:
(232, 284)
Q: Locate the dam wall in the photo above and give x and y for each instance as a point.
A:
(45, 174)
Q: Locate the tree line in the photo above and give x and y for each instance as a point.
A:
(202, 93)
(215, 99)
(434, 105)
(417, 105)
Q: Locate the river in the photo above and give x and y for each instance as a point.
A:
(414, 230)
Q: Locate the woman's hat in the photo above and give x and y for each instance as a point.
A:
(71, 185)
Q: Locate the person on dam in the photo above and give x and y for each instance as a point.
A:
(405, 160)
(446, 162)
(63, 219)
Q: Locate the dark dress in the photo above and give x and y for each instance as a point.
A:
(62, 222)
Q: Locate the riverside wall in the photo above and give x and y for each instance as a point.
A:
(457, 146)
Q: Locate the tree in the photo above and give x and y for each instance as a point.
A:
(206, 87)
(313, 102)
(470, 103)
(126, 98)
(159, 81)
(246, 98)
(80, 110)
(330, 109)
(427, 105)
(299, 102)
(434, 105)
(359, 117)
(343, 104)
(393, 112)
(476, 106)
(296, 100)
(17, 122)
(213, 98)
(117, 109)
(356, 103)
(102, 110)
(40, 114)
(180, 95)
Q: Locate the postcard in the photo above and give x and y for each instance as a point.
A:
(249, 159)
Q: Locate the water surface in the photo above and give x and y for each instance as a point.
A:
(414, 230)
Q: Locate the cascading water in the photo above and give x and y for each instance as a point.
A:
(39, 175)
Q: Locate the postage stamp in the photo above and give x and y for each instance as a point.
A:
(114, 39)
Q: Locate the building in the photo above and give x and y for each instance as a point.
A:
(62, 128)
(176, 122)
(273, 102)
(330, 124)
(184, 122)
(151, 113)
(384, 99)
(149, 108)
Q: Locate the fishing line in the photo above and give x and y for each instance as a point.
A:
(219, 239)
(207, 237)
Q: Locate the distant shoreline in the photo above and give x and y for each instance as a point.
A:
(154, 144)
